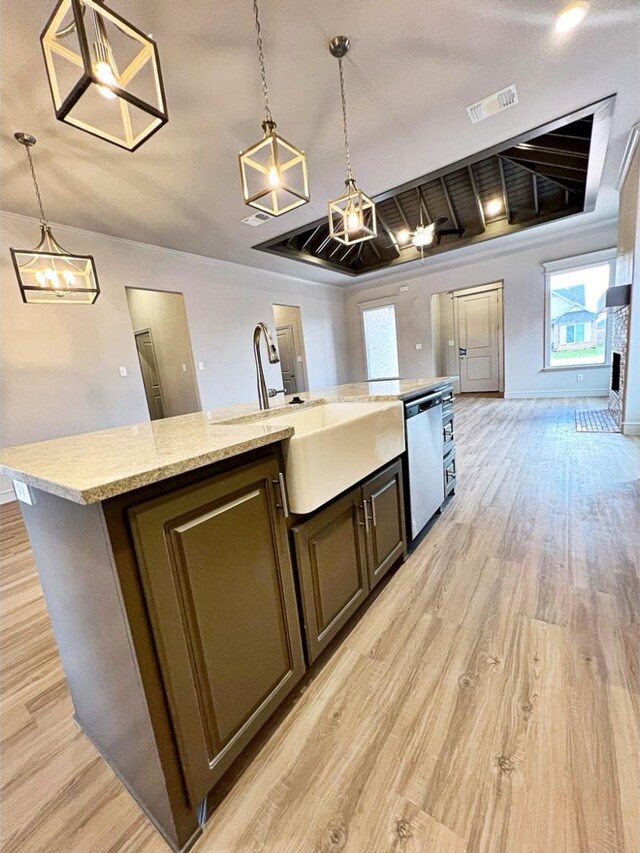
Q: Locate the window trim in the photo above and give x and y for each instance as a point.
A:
(367, 306)
(590, 259)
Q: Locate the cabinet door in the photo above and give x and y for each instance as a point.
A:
(331, 556)
(216, 570)
(384, 503)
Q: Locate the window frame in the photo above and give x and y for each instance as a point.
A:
(591, 259)
(367, 306)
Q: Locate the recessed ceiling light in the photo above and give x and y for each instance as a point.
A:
(493, 207)
(571, 16)
(403, 236)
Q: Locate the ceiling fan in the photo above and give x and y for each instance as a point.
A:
(425, 235)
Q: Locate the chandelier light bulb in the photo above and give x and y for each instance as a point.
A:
(274, 176)
(69, 277)
(403, 236)
(104, 73)
(353, 221)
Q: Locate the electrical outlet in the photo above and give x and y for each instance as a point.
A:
(184, 368)
(418, 346)
(579, 377)
(123, 371)
(201, 365)
(452, 343)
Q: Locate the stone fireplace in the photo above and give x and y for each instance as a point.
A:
(619, 350)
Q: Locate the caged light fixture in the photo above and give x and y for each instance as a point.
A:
(49, 273)
(104, 73)
(352, 216)
(273, 171)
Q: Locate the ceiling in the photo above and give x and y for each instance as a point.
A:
(412, 69)
(549, 174)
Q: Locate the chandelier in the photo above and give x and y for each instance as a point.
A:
(273, 171)
(49, 273)
(352, 216)
(104, 73)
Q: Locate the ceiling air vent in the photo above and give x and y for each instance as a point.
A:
(257, 219)
(495, 103)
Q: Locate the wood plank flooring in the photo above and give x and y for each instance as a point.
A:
(487, 700)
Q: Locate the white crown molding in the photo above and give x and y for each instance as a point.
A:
(177, 253)
(632, 143)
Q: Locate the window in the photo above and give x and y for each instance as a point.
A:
(577, 325)
(380, 341)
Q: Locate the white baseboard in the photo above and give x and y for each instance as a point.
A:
(631, 428)
(565, 392)
(7, 496)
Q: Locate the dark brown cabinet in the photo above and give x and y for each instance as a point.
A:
(332, 566)
(384, 507)
(218, 581)
(344, 550)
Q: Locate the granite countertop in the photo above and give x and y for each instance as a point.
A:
(94, 466)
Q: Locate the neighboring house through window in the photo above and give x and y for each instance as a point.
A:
(577, 326)
(380, 340)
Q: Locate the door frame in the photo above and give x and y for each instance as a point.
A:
(498, 285)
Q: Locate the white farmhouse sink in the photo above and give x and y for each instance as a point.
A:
(335, 445)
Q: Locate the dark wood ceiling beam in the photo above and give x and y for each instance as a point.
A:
(476, 195)
(540, 158)
(423, 206)
(505, 193)
(447, 198)
(577, 186)
(372, 244)
(391, 235)
(400, 210)
(554, 143)
(311, 236)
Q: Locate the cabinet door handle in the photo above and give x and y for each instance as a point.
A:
(373, 510)
(284, 503)
(364, 523)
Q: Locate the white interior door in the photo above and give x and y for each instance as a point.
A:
(150, 374)
(479, 332)
(287, 351)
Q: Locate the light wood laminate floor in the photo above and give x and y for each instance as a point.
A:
(487, 700)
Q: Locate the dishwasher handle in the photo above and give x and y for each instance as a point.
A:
(417, 407)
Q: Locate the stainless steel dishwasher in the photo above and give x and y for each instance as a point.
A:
(425, 481)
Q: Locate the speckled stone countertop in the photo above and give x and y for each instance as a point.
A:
(94, 466)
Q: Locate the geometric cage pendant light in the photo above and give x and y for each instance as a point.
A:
(104, 73)
(49, 273)
(273, 171)
(352, 216)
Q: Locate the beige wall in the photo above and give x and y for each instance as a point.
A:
(60, 363)
(164, 314)
(519, 265)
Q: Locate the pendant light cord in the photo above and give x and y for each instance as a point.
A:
(43, 218)
(347, 150)
(263, 73)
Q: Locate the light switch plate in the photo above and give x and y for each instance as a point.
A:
(418, 346)
(201, 365)
(299, 359)
(184, 368)
(452, 343)
(23, 492)
(123, 371)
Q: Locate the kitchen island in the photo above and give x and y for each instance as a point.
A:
(166, 554)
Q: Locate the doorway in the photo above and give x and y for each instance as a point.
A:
(290, 339)
(163, 343)
(468, 337)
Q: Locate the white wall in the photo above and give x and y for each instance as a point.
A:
(60, 362)
(520, 267)
(629, 245)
